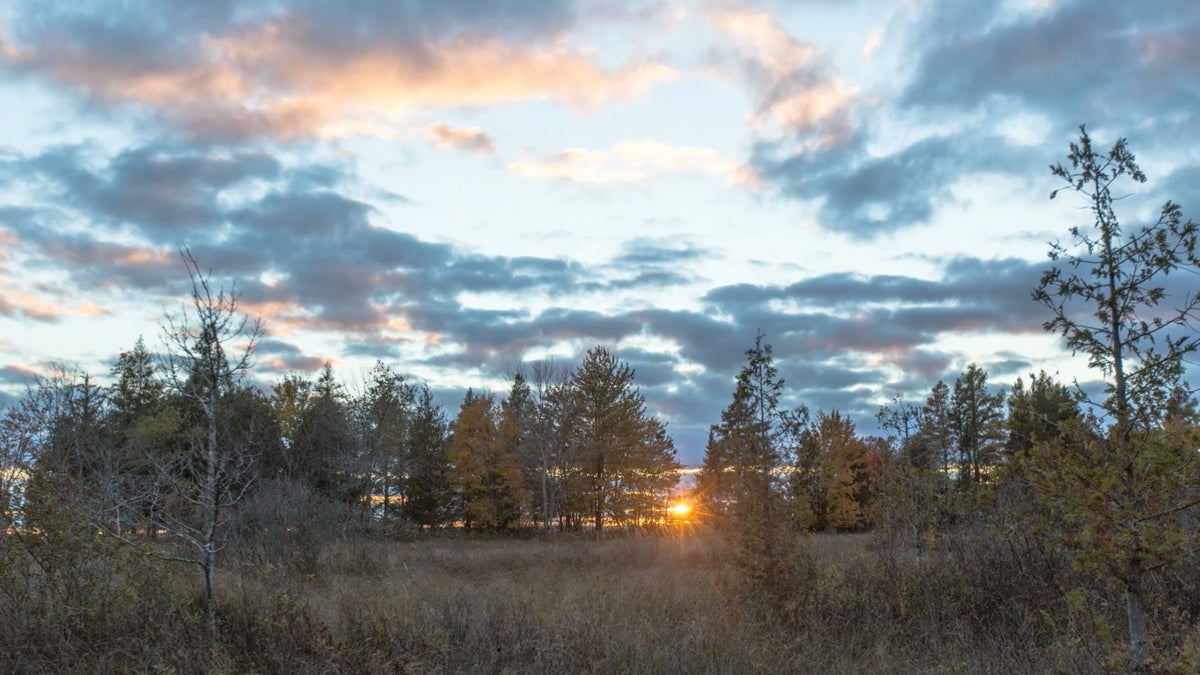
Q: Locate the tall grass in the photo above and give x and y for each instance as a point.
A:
(561, 604)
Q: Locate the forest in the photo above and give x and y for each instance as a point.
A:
(172, 515)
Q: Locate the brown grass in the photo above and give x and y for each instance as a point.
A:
(562, 604)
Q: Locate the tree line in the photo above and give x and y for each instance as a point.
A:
(564, 449)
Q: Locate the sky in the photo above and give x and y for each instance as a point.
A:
(457, 187)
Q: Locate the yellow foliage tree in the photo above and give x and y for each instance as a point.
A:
(484, 473)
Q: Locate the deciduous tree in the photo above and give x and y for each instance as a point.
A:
(209, 349)
(484, 473)
(842, 479)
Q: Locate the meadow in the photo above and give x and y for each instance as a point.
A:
(660, 603)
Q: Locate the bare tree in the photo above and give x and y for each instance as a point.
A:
(208, 349)
(548, 378)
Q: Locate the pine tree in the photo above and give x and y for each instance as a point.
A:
(1122, 477)
(324, 450)
(740, 475)
(518, 415)
(617, 448)
(937, 428)
(977, 416)
(427, 488)
(138, 391)
(1037, 413)
(743, 449)
(384, 412)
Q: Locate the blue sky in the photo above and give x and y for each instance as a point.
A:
(457, 187)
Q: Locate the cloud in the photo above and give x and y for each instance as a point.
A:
(972, 56)
(309, 68)
(889, 317)
(631, 162)
(315, 261)
(461, 138)
(21, 299)
(793, 89)
(865, 195)
(279, 357)
(16, 303)
(18, 375)
(655, 252)
(305, 257)
(979, 75)
(160, 191)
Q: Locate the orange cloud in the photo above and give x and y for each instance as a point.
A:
(8, 240)
(283, 318)
(795, 93)
(454, 73)
(462, 138)
(271, 80)
(21, 303)
(760, 37)
(809, 106)
(280, 317)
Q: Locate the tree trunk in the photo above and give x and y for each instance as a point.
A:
(210, 604)
(545, 498)
(211, 498)
(1139, 638)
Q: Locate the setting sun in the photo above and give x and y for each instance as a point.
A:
(679, 509)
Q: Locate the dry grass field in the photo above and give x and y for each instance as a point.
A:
(555, 604)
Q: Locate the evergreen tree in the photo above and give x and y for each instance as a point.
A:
(937, 428)
(556, 456)
(1037, 413)
(740, 472)
(428, 495)
(384, 413)
(150, 431)
(323, 453)
(743, 449)
(138, 391)
(1121, 478)
(518, 422)
(977, 416)
(616, 447)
